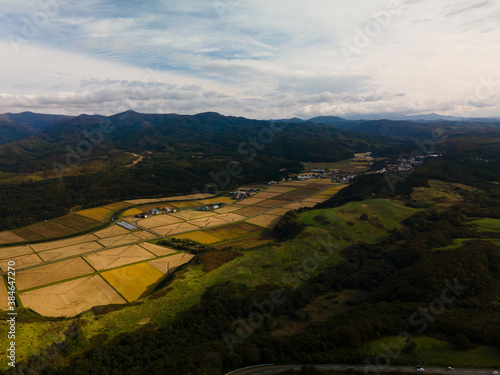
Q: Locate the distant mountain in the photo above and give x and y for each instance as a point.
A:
(418, 118)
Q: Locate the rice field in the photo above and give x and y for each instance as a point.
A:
(186, 204)
(134, 282)
(169, 264)
(266, 221)
(266, 194)
(51, 228)
(224, 200)
(98, 213)
(116, 205)
(229, 208)
(72, 297)
(52, 273)
(278, 211)
(251, 211)
(112, 231)
(122, 239)
(200, 237)
(208, 222)
(120, 256)
(9, 237)
(10, 252)
(77, 222)
(250, 201)
(69, 251)
(278, 189)
(271, 203)
(231, 231)
(169, 230)
(3, 295)
(132, 212)
(27, 234)
(22, 261)
(248, 242)
(158, 250)
(159, 220)
(64, 243)
(191, 215)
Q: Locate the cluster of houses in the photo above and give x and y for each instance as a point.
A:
(210, 207)
(405, 164)
(243, 193)
(155, 211)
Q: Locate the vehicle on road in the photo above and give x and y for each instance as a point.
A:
(450, 368)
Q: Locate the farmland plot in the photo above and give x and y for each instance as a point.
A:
(200, 237)
(132, 212)
(120, 256)
(159, 220)
(69, 251)
(9, 237)
(98, 213)
(10, 252)
(27, 234)
(122, 239)
(158, 250)
(64, 243)
(3, 295)
(230, 231)
(169, 264)
(112, 231)
(22, 261)
(72, 297)
(191, 215)
(172, 229)
(50, 229)
(77, 222)
(266, 221)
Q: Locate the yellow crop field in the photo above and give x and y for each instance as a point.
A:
(295, 206)
(266, 221)
(69, 251)
(251, 211)
(120, 256)
(313, 200)
(112, 231)
(200, 237)
(3, 295)
(10, 252)
(122, 239)
(117, 205)
(22, 261)
(230, 231)
(64, 243)
(144, 235)
(98, 213)
(9, 237)
(225, 200)
(169, 230)
(134, 282)
(72, 297)
(132, 212)
(229, 208)
(208, 222)
(159, 220)
(277, 189)
(169, 264)
(52, 273)
(278, 211)
(250, 201)
(158, 250)
(191, 215)
(266, 195)
(186, 204)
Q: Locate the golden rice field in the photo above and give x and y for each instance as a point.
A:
(169, 230)
(230, 231)
(10, 252)
(117, 205)
(132, 212)
(72, 297)
(229, 208)
(9, 237)
(77, 222)
(280, 211)
(120, 256)
(69, 251)
(191, 215)
(251, 211)
(112, 231)
(98, 213)
(158, 250)
(144, 235)
(169, 264)
(122, 239)
(266, 221)
(276, 189)
(4, 305)
(200, 237)
(64, 243)
(134, 282)
(159, 220)
(266, 194)
(22, 261)
(27, 234)
(50, 229)
(250, 201)
(224, 200)
(186, 204)
(52, 273)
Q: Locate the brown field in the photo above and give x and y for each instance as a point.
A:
(116, 205)
(132, 212)
(50, 229)
(250, 201)
(120, 256)
(288, 197)
(22, 261)
(191, 215)
(3, 295)
(229, 208)
(266, 195)
(27, 234)
(167, 265)
(225, 200)
(208, 221)
(69, 251)
(200, 237)
(157, 249)
(248, 242)
(149, 207)
(251, 211)
(278, 211)
(122, 239)
(72, 297)
(297, 205)
(169, 230)
(134, 282)
(64, 243)
(186, 204)
(9, 237)
(190, 196)
(313, 200)
(98, 213)
(144, 201)
(323, 197)
(271, 203)
(77, 222)
(277, 189)
(159, 220)
(52, 273)
(266, 221)
(230, 231)
(144, 235)
(10, 252)
(112, 231)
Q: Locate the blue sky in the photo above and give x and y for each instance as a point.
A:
(251, 58)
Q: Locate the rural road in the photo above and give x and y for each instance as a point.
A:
(271, 369)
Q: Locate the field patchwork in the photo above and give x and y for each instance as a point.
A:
(69, 251)
(132, 212)
(112, 231)
(22, 261)
(72, 297)
(10, 252)
(200, 237)
(169, 230)
(169, 264)
(159, 221)
(27, 234)
(9, 237)
(51, 228)
(158, 250)
(98, 213)
(266, 221)
(120, 256)
(231, 231)
(3, 295)
(80, 240)
(77, 222)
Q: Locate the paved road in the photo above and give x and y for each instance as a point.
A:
(269, 369)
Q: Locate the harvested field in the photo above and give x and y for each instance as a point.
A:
(229, 208)
(250, 201)
(112, 231)
(4, 305)
(72, 297)
(132, 212)
(169, 230)
(186, 204)
(64, 243)
(249, 242)
(10, 252)
(98, 213)
(230, 217)
(157, 249)
(69, 251)
(191, 196)
(266, 221)
(313, 200)
(117, 205)
(224, 200)
(323, 197)
(134, 282)
(251, 211)
(120, 256)
(191, 215)
(22, 261)
(52, 273)
(144, 235)
(271, 203)
(27, 234)
(297, 205)
(77, 222)
(200, 237)
(230, 231)
(50, 229)
(169, 264)
(266, 195)
(277, 189)
(208, 222)
(119, 240)
(159, 220)
(9, 237)
(278, 211)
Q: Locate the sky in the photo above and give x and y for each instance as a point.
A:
(252, 58)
